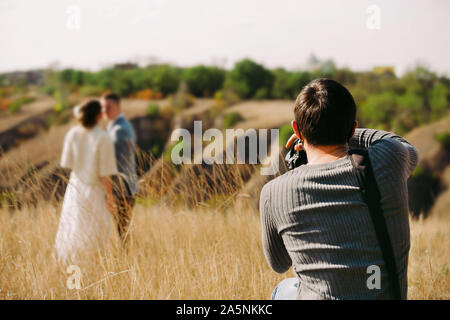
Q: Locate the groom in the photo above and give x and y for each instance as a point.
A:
(125, 184)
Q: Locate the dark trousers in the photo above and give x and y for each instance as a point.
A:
(125, 206)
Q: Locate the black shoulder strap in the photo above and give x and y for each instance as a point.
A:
(371, 195)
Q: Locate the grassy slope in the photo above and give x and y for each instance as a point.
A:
(264, 114)
(178, 254)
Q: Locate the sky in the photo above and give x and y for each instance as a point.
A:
(358, 34)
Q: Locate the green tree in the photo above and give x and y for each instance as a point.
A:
(71, 76)
(164, 78)
(204, 81)
(378, 109)
(344, 76)
(281, 86)
(247, 77)
(439, 102)
(142, 79)
(409, 112)
(231, 119)
(3, 80)
(287, 85)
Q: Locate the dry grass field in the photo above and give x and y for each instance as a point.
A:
(177, 254)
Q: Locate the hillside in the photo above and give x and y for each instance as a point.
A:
(434, 185)
(36, 156)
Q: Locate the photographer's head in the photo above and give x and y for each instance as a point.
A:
(325, 114)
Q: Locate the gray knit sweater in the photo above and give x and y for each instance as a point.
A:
(314, 219)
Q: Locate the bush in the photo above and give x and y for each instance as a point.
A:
(261, 94)
(71, 76)
(153, 110)
(204, 81)
(61, 96)
(287, 85)
(164, 78)
(418, 172)
(439, 101)
(378, 110)
(444, 139)
(231, 119)
(227, 95)
(91, 90)
(147, 94)
(15, 106)
(182, 99)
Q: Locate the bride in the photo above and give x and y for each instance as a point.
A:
(88, 151)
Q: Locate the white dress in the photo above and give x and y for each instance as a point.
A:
(85, 221)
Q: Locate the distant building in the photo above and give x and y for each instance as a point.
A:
(384, 71)
(315, 64)
(30, 77)
(125, 66)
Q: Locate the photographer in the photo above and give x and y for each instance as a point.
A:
(316, 217)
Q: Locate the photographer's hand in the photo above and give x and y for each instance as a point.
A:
(291, 140)
(296, 155)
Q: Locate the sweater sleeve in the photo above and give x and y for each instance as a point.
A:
(402, 152)
(273, 246)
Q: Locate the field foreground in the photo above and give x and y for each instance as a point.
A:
(178, 254)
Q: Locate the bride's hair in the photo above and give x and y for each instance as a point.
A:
(88, 113)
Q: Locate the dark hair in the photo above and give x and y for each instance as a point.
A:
(112, 96)
(89, 112)
(325, 112)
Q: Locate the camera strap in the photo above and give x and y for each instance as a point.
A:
(371, 195)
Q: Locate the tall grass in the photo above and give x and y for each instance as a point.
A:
(179, 254)
(206, 247)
